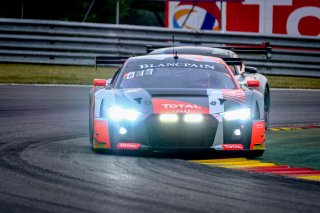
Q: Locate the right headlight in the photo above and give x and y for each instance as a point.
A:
(118, 113)
(240, 114)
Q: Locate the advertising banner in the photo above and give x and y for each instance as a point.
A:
(266, 17)
(194, 16)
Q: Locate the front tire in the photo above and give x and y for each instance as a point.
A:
(90, 122)
(266, 106)
(255, 154)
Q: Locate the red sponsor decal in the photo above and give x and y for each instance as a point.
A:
(129, 146)
(172, 106)
(232, 146)
(101, 132)
(258, 133)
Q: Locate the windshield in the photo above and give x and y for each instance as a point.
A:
(179, 73)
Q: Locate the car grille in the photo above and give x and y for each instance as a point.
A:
(181, 134)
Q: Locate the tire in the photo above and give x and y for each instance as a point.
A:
(102, 151)
(266, 106)
(255, 154)
(90, 123)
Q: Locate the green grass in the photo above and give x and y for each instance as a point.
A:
(55, 74)
(293, 82)
(296, 148)
(52, 74)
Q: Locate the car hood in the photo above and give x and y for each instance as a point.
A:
(158, 100)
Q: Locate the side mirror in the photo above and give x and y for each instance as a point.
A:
(253, 83)
(99, 82)
(251, 70)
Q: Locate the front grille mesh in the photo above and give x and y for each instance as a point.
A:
(181, 134)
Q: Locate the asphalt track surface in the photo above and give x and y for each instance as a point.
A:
(46, 164)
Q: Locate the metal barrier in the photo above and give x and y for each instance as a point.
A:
(72, 43)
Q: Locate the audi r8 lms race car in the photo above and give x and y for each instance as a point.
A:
(166, 101)
(241, 72)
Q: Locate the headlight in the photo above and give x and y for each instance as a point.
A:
(170, 118)
(241, 114)
(193, 118)
(118, 113)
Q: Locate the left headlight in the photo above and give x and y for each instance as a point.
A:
(240, 114)
(118, 113)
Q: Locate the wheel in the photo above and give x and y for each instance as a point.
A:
(255, 154)
(103, 151)
(90, 122)
(266, 106)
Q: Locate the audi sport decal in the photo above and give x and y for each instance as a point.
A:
(172, 106)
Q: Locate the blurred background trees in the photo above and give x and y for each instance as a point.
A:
(137, 12)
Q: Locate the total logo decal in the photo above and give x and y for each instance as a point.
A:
(181, 108)
(172, 106)
(229, 147)
(195, 16)
(289, 17)
(130, 146)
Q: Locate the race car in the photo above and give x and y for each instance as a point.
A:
(241, 72)
(174, 102)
